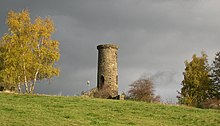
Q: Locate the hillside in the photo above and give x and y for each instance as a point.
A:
(71, 111)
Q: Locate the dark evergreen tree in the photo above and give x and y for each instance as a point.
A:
(216, 77)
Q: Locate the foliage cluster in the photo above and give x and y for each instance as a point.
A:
(27, 52)
(104, 92)
(211, 103)
(143, 90)
(201, 85)
(216, 76)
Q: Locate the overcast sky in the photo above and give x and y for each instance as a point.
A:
(155, 37)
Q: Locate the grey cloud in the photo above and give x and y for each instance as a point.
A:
(154, 36)
(166, 77)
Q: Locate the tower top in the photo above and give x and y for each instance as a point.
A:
(104, 46)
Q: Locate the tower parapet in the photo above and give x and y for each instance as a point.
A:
(110, 46)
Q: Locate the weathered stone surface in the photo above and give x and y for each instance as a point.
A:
(108, 68)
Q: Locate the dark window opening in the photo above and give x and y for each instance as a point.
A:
(102, 81)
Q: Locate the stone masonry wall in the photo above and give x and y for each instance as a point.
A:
(107, 75)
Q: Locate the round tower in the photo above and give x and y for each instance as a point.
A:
(107, 74)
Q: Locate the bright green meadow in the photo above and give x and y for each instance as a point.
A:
(31, 110)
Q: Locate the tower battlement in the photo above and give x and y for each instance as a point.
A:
(110, 46)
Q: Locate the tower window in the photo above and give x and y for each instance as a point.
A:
(102, 81)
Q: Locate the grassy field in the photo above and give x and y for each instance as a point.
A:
(18, 110)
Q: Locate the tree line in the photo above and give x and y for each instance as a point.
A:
(200, 86)
(27, 52)
(201, 83)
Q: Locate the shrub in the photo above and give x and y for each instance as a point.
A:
(143, 90)
(211, 103)
(104, 92)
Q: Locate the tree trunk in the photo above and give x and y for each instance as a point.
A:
(19, 88)
(19, 85)
(26, 84)
(25, 77)
(34, 82)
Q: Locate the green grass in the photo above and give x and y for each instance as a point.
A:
(19, 110)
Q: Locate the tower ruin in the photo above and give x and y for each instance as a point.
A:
(107, 74)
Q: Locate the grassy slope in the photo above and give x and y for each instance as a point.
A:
(51, 110)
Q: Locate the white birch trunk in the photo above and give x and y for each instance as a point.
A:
(34, 82)
(19, 85)
(19, 88)
(26, 84)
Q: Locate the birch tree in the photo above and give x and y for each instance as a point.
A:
(28, 52)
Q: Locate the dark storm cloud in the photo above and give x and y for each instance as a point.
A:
(154, 37)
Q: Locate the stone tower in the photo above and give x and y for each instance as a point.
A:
(107, 74)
